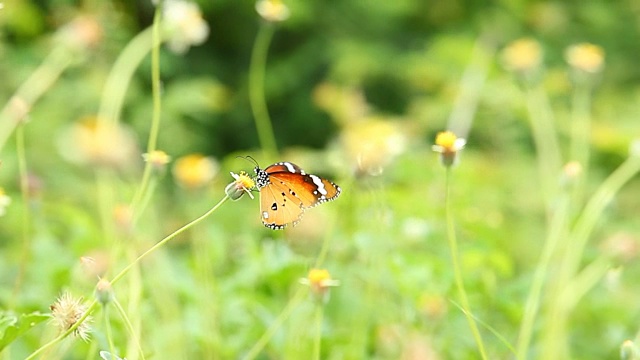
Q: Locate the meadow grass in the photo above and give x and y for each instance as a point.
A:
(426, 265)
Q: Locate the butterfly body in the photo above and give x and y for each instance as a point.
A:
(286, 191)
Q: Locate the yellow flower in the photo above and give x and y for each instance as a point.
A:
(571, 172)
(89, 142)
(123, 218)
(195, 170)
(586, 57)
(448, 145)
(243, 184)
(522, 55)
(272, 10)
(372, 143)
(320, 281)
(67, 311)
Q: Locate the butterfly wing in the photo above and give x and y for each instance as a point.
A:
(286, 191)
(279, 207)
(312, 190)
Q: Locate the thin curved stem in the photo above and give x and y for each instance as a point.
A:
(157, 108)
(166, 239)
(64, 334)
(558, 228)
(318, 336)
(453, 246)
(32, 89)
(256, 91)
(129, 326)
(121, 74)
(284, 315)
(21, 154)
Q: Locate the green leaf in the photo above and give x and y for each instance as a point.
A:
(11, 327)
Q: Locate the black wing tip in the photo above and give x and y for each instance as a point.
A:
(274, 226)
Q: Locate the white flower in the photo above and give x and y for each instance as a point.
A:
(185, 25)
(272, 10)
(67, 311)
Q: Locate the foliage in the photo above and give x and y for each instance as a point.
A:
(523, 246)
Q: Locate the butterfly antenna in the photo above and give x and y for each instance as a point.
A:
(250, 159)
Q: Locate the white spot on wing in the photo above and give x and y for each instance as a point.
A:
(319, 184)
(265, 215)
(289, 167)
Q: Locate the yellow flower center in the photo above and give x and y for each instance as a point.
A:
(245, 181)
(446, 139)
(318, 277)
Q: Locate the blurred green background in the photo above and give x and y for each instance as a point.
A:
(356, 91)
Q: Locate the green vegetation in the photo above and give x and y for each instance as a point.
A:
(120, 123)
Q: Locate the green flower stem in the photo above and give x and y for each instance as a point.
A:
(107, 324)
(555, 341)
(471, 86)
(594, 208)
(580, 138)
(122, 273)
(544, 136)
(166, 239)
(557, 231)
(129, 326)
(64, 334)
(256, 91)
(453, 245)
(318, 336)
(121, 74)
(32, 89)
(21, 154)
(152, 183)
(555, 331)
(157, 108)
(284, 315)
(584, 281)
(134, 299)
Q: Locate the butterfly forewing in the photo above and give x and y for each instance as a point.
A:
(283, 167)
(310, 189)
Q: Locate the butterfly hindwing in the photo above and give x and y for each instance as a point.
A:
(286, 191)
(278, 207)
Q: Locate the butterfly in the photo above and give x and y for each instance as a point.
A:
(286, 191)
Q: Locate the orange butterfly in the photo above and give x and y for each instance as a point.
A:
(286, 191)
